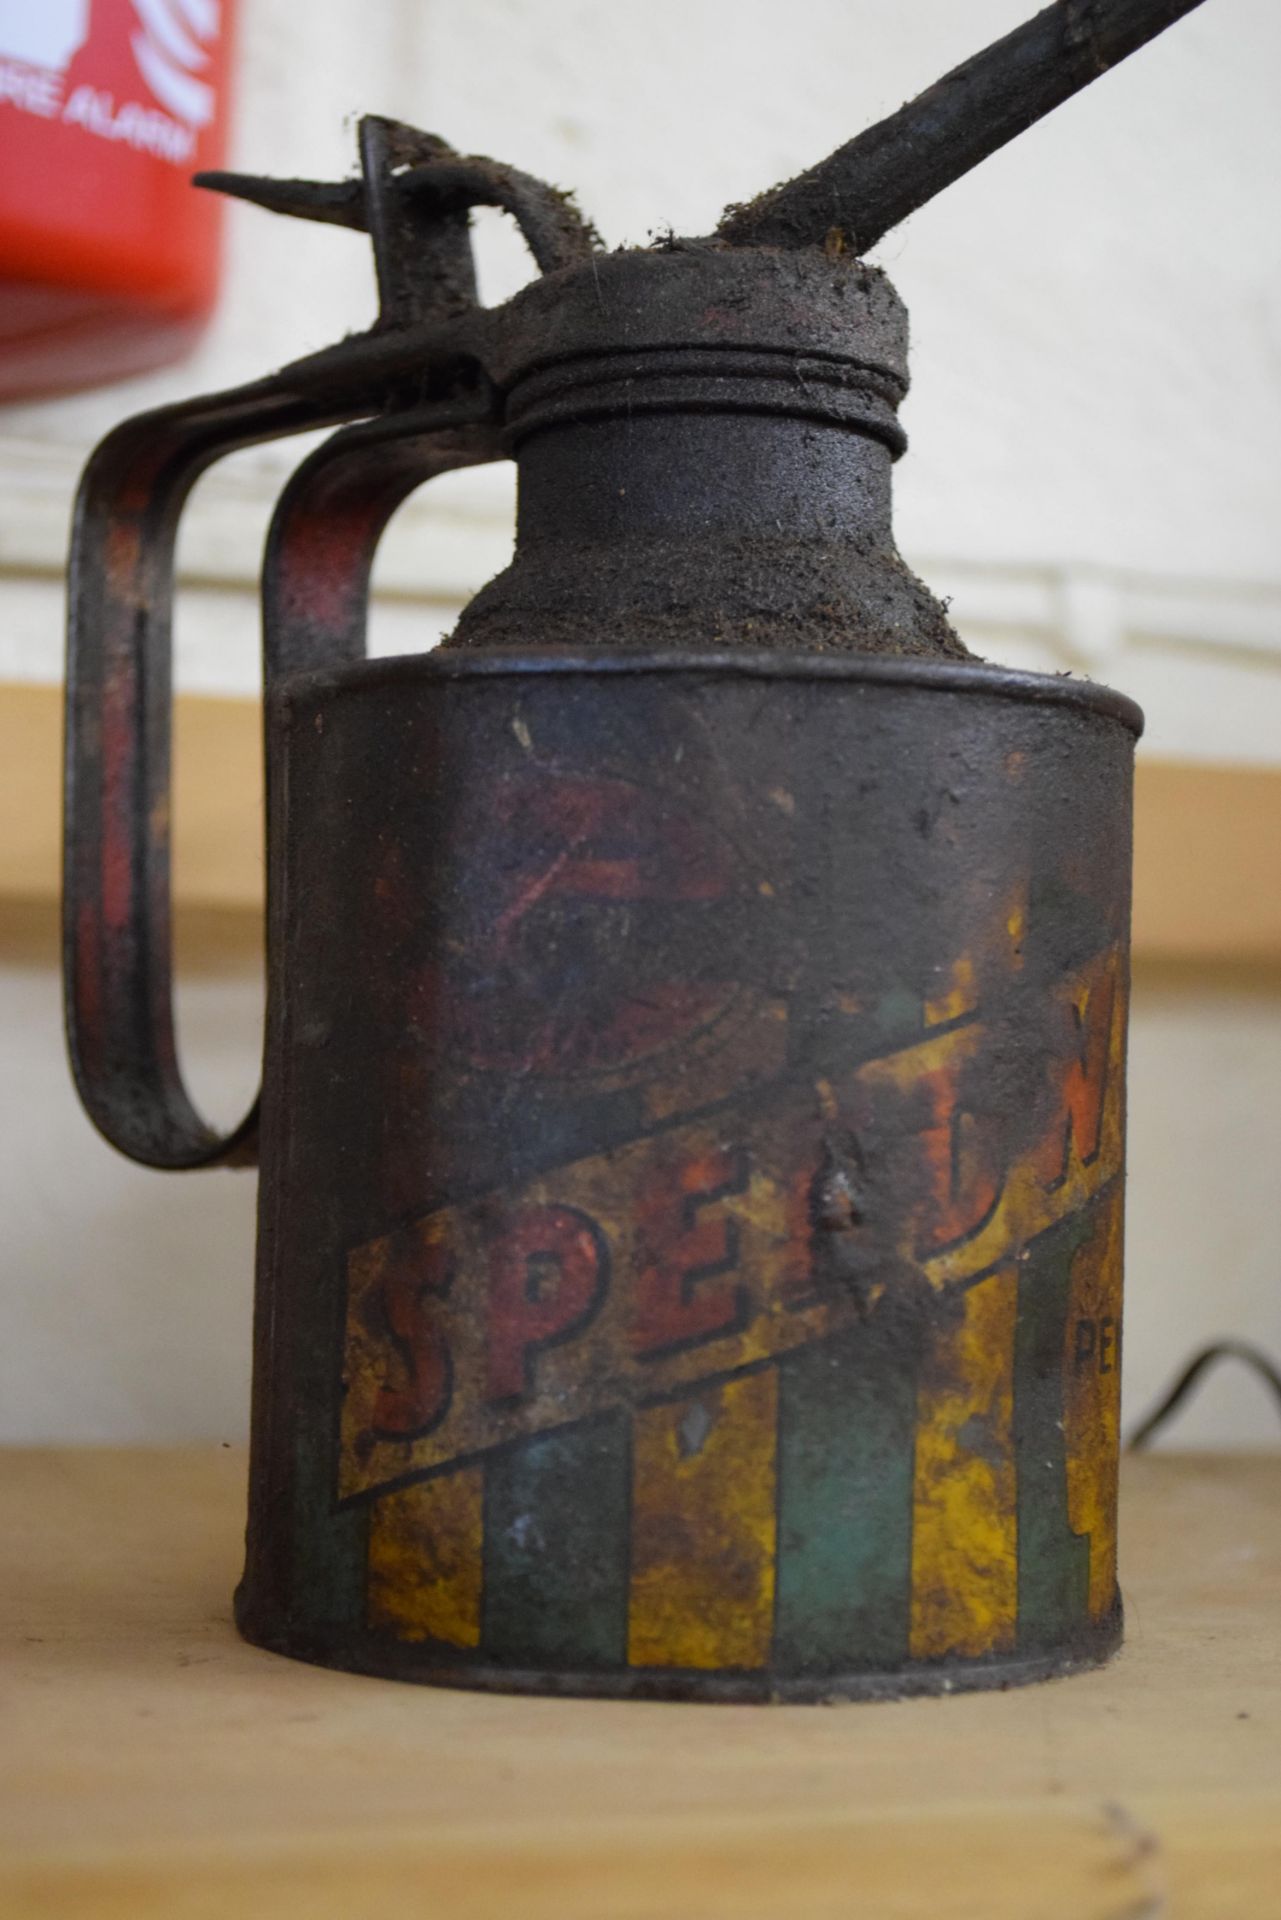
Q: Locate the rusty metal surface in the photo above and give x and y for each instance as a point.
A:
(117, 941)
(692, 1161)
(720, 476)
(692, 1124)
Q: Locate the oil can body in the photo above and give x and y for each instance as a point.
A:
(690, 1257)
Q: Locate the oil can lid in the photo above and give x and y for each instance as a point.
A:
(699, 294)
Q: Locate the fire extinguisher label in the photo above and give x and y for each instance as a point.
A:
(143, 80)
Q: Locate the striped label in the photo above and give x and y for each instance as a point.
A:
(680, 1406)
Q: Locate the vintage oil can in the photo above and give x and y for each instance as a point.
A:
(693, 1116)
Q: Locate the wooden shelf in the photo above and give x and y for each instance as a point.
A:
(152, 1765)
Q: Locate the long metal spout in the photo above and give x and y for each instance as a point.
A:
(866, 187)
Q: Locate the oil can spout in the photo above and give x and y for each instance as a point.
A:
(852, 199)
(414, 198)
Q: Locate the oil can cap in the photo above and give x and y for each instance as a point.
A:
(694, 294)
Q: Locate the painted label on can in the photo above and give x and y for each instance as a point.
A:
(678, 1348)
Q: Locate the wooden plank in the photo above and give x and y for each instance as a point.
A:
(1207, 851)
(153, 1765)
(217, 798)
(1077, 1863)
(1207, 838)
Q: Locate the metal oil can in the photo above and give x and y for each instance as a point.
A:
(693, 1115)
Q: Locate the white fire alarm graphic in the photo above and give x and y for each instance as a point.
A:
(171, 47)
(43, 33)
(172, 43)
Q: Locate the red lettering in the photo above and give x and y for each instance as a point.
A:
(797, 1289)
(683, 1249)
(962, 1163)
(1084, 1083)
(601, 840)
(410, 1297)
(548, 1271)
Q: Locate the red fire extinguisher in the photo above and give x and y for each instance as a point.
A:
(109, 257)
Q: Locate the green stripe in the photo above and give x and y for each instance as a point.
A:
(1054, 1562)
(847, 1420)
(556, 1530)
(330, 1545)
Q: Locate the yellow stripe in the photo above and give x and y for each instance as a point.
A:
(964, 1516)
(703, 1527)
(1092, 1398)
(959, 996)
(425, 1548)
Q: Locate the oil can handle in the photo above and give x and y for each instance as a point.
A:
(117, 931)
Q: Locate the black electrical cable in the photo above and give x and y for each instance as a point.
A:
(1253, 1357)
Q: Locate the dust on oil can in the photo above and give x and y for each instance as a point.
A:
(712, 1193)
(693, 1112)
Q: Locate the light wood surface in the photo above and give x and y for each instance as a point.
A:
(153, 1766)
(217, 814)
(1207, 866)
(1207, 842)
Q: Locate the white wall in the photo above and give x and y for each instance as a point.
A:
(1093, 477)
(125, 1295)
(1096, 313)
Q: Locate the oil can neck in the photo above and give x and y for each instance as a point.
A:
(692, 393)
(705, 439)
